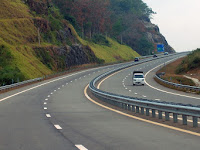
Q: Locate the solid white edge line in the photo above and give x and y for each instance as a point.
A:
(81, 147)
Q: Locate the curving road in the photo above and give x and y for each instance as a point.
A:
(55, 114)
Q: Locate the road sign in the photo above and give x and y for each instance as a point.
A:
(160, 48)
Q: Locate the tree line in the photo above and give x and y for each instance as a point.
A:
(108, 17)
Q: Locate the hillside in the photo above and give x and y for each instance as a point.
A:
(127, 21)
(184, 69)
(190, 65)
(17, 34)
(35, 40)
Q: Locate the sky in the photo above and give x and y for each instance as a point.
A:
(178, 21)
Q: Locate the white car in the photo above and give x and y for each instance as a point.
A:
(138, 78)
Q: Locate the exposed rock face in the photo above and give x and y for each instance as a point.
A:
(61, 58)
(77, 56)
(155, 36)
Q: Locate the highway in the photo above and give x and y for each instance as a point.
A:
(55, 114)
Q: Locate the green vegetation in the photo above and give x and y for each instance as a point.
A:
(115, 52)
(178, 79)
(122, 20)
(8, 73)
(17, 29)
(145, 46)
(27, 36)
(192, 61)
(171, 76)
(100, 39)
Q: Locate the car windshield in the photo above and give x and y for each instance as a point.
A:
(138, 76)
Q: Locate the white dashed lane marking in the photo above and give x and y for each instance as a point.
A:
(45, 103)
(48, 115)
(57, 127)
(45, 108)
(81, 147)
(46, 99)
(48, 96)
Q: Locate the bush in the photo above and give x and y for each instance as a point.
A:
(5, 55)
(44, 57)
(9, 75)
(100, 39)
(192, 61)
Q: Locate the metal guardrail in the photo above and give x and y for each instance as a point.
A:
(187, 87)
(19, 84)
(144, 106)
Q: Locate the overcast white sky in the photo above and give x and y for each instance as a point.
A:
(179, 22)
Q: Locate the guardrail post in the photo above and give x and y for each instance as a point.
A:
(125, 106)
(120, 105)
(195, 121)
(114, 103)
(153, 113)
(142, 110)
(133, 108)
(184, 119)
(137, 109)
(166, 116)
(175, 117)
(129, 107)
(147, 111)
(159, 114)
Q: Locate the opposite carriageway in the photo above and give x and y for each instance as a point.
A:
(144, 105)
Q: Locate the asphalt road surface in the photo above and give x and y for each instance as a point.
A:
(56, 115)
